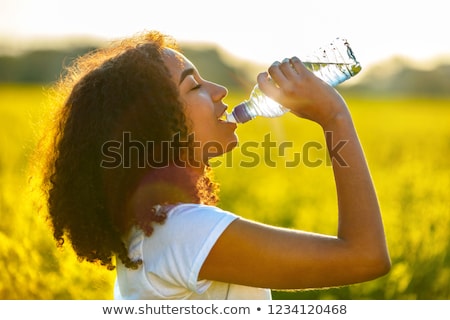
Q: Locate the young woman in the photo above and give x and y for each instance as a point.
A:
(126, 177)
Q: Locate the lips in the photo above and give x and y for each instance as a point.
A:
(223, 115)
(224, 118)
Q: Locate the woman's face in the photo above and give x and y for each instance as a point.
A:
(204, 109)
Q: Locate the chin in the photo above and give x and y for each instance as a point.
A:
(231, 145)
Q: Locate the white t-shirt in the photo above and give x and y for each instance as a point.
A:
(173, 256)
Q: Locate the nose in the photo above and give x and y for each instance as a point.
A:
(218, 92)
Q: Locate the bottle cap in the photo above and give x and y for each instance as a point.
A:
(239, 114)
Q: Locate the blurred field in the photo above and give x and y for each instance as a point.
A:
(407, 144)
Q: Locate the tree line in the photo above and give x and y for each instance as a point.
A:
(393, 77)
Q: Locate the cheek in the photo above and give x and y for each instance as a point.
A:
(199, 112)
(196, 117)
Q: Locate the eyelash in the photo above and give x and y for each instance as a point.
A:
(198, 86)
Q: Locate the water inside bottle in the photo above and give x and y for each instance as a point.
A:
(333, 72)
(351, 68)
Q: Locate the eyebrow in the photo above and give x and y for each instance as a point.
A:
(185, 73)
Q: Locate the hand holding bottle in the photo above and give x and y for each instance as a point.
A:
(292, 85)
(334, 63)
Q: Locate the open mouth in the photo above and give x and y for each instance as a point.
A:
(227, 117)
(224, 116)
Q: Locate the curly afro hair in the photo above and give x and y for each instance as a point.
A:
(123, 88)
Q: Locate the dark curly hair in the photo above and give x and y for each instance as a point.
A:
(123, 88)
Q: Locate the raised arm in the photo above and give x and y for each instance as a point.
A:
(253, 254)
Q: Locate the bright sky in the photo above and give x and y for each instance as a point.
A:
(260, 30)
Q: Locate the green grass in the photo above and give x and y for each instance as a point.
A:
(407, 144)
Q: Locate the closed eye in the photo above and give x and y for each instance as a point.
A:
(198, 86)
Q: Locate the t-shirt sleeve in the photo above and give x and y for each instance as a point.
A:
(177, 249)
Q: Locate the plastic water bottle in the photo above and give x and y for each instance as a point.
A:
(333, 63)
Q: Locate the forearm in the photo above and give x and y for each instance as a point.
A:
(360, 223)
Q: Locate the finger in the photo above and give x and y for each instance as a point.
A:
(267, 85)
(297, 65)
(288, 69)
(277, 74)
(265, 80)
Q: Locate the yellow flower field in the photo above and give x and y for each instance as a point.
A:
(407, 144)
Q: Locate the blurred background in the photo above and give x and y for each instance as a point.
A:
(400, 103)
